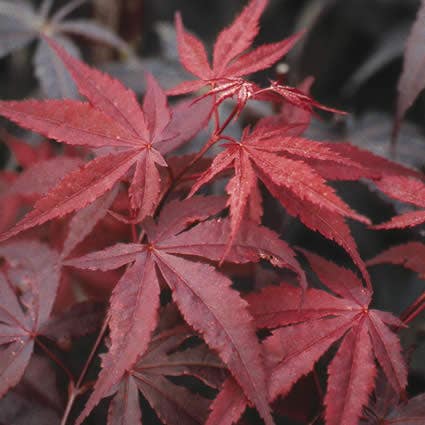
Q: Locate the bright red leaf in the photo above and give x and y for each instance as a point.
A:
(281, 162)
(136, 140)
(230, 59)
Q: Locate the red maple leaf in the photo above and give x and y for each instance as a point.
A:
(29, 280)
(198, 289)
(230, 59)
(308, 324)
(31, 268)
(281, 159)
(228, 406)
(163, 358)
(134, 140)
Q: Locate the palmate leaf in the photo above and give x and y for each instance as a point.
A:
(164, 357)
(306, 324)
(230, 59)
(198, 289)
(282, 163)
(137, 139)
(32, 270)
(35, 265)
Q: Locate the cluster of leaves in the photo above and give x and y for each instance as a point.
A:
(117, 209)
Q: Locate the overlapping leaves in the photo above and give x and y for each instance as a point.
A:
(135, 140)
(200, 291)
(180, 244)
(284, 162)
(35, 268)
(307, 325)
(164, 358)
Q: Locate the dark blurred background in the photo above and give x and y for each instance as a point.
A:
(353, 47)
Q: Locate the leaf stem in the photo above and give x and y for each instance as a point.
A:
(75, 390)
(413, 310)
(212, 141)
(55, 359)
(69, 404)
(215, 137)
(217, 120)
(228, 120)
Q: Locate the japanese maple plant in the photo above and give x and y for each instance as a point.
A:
(210, 312)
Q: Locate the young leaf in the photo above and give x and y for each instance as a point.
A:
(229, 62)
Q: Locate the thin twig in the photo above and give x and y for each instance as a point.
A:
(75, 390)
(413, 310)
(55, 359)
